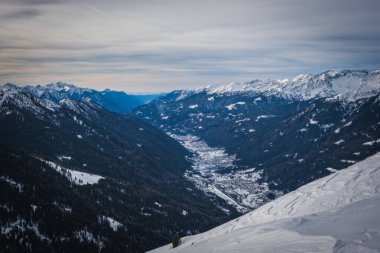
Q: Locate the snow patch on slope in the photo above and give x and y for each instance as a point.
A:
(10, 228)
(233, 106)
(74, 176)
(114, 225)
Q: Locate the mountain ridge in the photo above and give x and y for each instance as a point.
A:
(116, 101)
(304, 86)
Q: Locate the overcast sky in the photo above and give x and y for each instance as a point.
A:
(158, 45)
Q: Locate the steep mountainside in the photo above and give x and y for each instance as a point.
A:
(338, 213)
(277, 134)
(75, 177)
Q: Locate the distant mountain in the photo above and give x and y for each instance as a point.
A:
(115, 101)
(349, 85)
(337, 213)
(271, 137)
(75, 177)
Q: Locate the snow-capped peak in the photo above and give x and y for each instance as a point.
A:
(62, 89)
(38, 98)
(302, 78)
(61, 86)
(350, 85)
(284, 81)
(7, 92)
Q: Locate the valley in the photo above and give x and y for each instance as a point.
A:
(130, 177)
(216, 173)
(270, 137)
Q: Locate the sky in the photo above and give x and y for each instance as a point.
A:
(145, 46)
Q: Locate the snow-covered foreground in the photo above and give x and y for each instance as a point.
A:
(215, 172)
(337, 213)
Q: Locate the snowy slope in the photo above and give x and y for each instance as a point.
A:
(347, 85)
(337, 213)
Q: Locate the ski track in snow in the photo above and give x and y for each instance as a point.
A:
(337, 213)
(215, 172)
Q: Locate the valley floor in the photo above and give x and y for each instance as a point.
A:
(215, 172)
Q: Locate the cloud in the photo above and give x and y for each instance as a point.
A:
(163, 45)
(34, 2)
(21, 14)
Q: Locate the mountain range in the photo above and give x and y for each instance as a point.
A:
(115, 101)
(279, 134)
(85, 170)
(76, 177)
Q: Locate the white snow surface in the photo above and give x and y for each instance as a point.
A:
(193, 106)
(22, 225)
(263, 117)
(64, 157)
(114, 225)
(12, 183)
(84, 235)
(337, 213)
(76, 177)
(233, 106)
